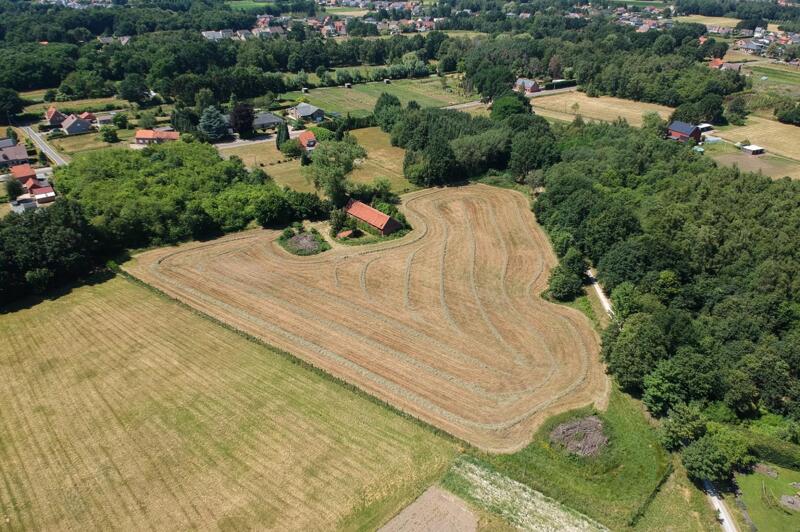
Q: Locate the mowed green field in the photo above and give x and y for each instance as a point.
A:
(90, 141)
(121, 409)
(246, 4)
(360, 100)
(761, 496)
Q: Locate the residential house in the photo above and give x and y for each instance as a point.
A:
(244, 35)
(736, 67)
(151, 136)
(87, 115)
(307, 140)
(13, 155)
(373, 218)
(74, 125)
(104, 120)
(22, 204)
(716, 63)
(526, 86)
(307, 112)
(266, 121)
(682, 132)
(23, 172)
(6, 142)
(53, 116)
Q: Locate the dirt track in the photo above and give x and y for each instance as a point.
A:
(445, 323)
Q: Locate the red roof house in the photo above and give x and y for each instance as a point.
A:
(307, 140)
(374, 218)
(87, 115)
(23, 172)
(32, 184)
(53, 116)
(151, 136)
(716, 63)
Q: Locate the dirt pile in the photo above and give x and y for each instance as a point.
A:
(583, 437)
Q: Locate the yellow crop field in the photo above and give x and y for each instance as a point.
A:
(778, 138)
(123, 410)
(725, 22)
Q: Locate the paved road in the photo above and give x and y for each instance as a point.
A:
(725, 518)
(724, 515)
(40, 142)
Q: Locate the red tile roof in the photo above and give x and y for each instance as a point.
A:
(32, 183)
(146, 134)
(23, 172)
(87, 115)
(307, 137)
(52, 111)
(367, 214)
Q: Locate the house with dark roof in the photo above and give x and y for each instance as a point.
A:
(682, 132)
(526, 86)
(53, 116)
(372, 218)
(266, 121)
(306, 111)
(13, 155)
(74, 125)
(6, 142)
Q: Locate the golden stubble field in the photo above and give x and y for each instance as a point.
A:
(445, 323)
(122, 410)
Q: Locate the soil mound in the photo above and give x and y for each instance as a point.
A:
(583, 437)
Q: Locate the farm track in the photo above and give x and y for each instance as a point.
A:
(445, 323)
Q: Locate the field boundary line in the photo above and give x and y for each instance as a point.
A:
(298, 361)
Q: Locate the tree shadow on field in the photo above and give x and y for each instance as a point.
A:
(97, 277)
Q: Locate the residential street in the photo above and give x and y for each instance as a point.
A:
(42, 144)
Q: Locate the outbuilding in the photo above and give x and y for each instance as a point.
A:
(380, 222)
(752, 149)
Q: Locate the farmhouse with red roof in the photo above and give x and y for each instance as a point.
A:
(383, 223)
(307, 140)
(23, 172)
(53, 116)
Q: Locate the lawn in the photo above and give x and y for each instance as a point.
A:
(346, 11)
(777, 74)
(121, 409)
(468, 34)
(778, 138)
(761, 495)
(264, 155)
(90, 141)
(79, 106)
(641, 3)
(383, 160)
(246, 4)
(726, 22)
(771, 165)
(610, 487)
(34, 95)
(565, 105)
(360, 100)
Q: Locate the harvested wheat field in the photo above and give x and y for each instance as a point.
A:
(122, 410)
(566, 105)
(445, 323)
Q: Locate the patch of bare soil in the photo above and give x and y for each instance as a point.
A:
(764, 469)
(304, 241)
(435, 511)
(792, 502)
(583, 437)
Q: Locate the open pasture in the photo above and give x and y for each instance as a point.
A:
(725, 22)
(383, 160)
(360, 100)
(777, 138)
(445, 323)
(566, 105)
(79, 106)
(90, 141)
(122, 410)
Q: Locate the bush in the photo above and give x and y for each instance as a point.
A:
(292, 148)
(564, 284)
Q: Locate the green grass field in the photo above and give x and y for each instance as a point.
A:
(121, 409)
(641, 3)
(610, 487)
(79, 106)
(246, 4)
(777, 74)
(359, 101)
(90, 142)
(761, 495)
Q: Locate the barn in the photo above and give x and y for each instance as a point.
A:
(681, 131)
(382, 223)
